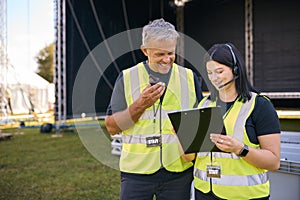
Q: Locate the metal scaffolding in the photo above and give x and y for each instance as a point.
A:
(60, 65)
(3, 57)
(249, 39)
(180, 28)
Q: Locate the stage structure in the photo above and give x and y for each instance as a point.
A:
(80, 27)
(267, 33)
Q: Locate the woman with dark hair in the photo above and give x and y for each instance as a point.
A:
(251, 145)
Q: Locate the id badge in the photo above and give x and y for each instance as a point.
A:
(153, 141)
(213, 171)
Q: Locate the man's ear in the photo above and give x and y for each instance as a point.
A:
(144, 50)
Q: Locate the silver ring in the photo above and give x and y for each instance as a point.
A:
(221, 141)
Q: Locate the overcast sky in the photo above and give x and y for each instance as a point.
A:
(30, 27)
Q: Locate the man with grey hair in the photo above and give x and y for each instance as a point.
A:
(151, 161)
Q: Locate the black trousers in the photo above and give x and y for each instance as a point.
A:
(137, 189)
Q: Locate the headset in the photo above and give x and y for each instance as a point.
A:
(235, 68)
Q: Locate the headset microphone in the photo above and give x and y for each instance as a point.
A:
(221, 86)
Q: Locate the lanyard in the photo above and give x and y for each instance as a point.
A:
(155, 111)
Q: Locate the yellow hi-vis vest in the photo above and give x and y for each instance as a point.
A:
(136, 157)
(239, 179)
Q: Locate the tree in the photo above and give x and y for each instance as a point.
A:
(44, 60)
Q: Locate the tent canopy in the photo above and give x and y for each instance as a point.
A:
(28, 91)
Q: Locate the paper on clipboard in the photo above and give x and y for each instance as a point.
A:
(193, 128)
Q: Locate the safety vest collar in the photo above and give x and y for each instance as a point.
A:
(242, 108)
(137, 79)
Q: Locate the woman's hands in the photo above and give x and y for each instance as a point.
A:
(226, 143)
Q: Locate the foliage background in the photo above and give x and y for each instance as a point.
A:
(45, 61)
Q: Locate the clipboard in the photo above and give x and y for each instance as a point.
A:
(193, 128)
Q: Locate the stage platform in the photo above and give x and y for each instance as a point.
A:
(288, 114)
(289, 120)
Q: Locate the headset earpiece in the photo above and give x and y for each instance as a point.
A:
(235, 69)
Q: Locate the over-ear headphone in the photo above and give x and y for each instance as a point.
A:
(235, 68)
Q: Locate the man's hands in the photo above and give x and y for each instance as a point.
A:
(151, 94)
(125, 119)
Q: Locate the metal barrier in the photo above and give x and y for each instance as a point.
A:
(116, 144)
(289, 167)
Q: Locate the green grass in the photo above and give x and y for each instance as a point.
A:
(38, 166)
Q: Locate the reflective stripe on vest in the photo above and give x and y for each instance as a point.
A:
(229, 180)
(141, 139)
(241, 178)
(148, 114)
(136, 157)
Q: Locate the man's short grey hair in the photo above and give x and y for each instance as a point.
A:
(159, 29)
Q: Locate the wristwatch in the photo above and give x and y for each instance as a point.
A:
(244, 151)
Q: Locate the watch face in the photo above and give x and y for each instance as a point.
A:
(244, 151)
